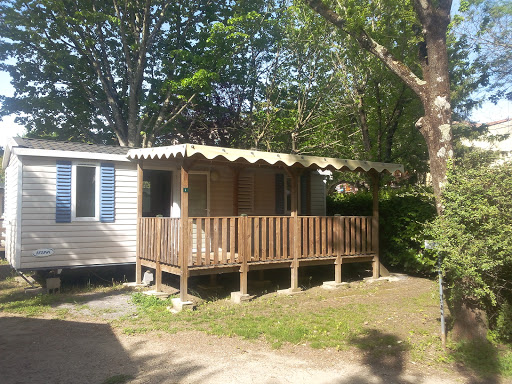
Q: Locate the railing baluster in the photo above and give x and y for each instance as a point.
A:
(224, 244)
(271, 235)
(257, 249)
(215, 240)
(264, 239)
(232, 239)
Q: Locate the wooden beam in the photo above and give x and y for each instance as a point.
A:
(295, 243)
(184, 235)
(138, 265)
(375, 225)
(337, 270)
(158, 269)
(243, 248)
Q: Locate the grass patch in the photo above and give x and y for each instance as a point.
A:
(484, 358)
(13, 299)
(19, 303)
(277, 320)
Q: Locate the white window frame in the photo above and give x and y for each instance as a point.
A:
(96, 166)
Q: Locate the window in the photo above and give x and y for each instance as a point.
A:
(283, 194)
(85, 192)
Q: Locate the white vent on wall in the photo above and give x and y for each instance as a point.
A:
(246, 194)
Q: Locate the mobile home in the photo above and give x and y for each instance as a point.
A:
(184, 209)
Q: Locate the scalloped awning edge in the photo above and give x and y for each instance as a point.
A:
(253, 156)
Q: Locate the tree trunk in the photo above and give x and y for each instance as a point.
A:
(433, 89)
(435, 125)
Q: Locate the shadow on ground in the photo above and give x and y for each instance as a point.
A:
(56, 351)
(384, 356)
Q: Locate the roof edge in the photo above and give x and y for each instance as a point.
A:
(254, 156)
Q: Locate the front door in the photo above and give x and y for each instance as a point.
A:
(156, 193)
(198, 195)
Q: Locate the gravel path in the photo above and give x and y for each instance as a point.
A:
(56, 351)
(88, 350)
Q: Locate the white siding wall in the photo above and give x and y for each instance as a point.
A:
(318, 195)
(81, 242)
(11, 209)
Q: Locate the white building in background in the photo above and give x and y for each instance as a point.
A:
(496, 128)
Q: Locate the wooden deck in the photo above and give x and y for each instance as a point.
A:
(214, 243)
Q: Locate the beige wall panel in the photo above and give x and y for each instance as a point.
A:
(79, 242)
(221, 194)
(264, 192)
(317, 195)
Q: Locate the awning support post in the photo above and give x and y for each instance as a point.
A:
(138, 264)
(375, 225)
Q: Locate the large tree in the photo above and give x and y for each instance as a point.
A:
(486, 26)
(125, 68)
(429, 80)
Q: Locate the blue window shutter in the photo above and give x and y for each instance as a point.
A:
(63, 192)
(107, 193)
(279, 194)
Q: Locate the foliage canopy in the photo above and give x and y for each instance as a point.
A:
(475, 233)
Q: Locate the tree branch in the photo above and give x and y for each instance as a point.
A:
(367, 43)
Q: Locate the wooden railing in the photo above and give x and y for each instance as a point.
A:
(233, 240)
(326, 235)
(159, 240)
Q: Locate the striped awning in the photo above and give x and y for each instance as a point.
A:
(206, 152)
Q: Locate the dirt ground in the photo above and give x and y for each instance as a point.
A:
(89, 350)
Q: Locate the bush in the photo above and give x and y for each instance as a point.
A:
(475, 233)
(402, 216)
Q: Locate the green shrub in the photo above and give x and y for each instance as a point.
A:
(402, 216)
(475, 233)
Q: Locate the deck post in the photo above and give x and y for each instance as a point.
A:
(339, 237)
(375, 225)
(243, 249)
(138, 264)
(294, 278)
(184, 232)
(158, 268)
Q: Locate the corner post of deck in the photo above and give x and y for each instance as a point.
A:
(339, 237)
(375, 224)
(138, 264)
(244, 247)
(158, 267)
(244, 254)
(295, 242)
(184, 234)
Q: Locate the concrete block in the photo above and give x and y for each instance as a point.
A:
(53, 285)
(290, 291)
(35, 291)
(383, 271)
(237, 297)
(333, 285)
(178, 305)
(391, 277)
